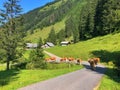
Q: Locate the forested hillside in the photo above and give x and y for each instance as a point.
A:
(53, 15)
(81, 19)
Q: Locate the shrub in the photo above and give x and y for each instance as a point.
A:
(36, 60)
(117, 65)
(59, 65)
(21, 65)
(36, 65)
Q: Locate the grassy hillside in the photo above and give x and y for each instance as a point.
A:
(44, 32)
(106, 47)
(58, 24)
(102, 47)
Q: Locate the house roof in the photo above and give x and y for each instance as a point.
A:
(30, 45)
(65, 42)
(50, 44)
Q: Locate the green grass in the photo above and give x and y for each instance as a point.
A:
(2, 67)
(45, 31)
(14, 79)
(106, 47)
(27, 53)
(110, 81)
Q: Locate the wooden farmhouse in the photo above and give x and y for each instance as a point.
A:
(65, 43)
(31, 45)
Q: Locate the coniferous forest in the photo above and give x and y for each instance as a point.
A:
(84, 19)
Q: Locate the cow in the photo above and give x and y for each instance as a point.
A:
(78, 61)
(51, 59)
(96, 60)
(93, 62)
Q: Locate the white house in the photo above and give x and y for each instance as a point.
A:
(64, 43)
(31, 45)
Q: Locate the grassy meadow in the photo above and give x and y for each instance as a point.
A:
(106, 47)
(14, 79)
(102, 47)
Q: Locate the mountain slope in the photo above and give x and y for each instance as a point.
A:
(51, 15)
(79, 19)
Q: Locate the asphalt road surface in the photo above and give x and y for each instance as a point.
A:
(84, 79)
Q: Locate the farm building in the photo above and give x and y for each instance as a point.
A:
(48, 45)
(31, 45)
(64, 43)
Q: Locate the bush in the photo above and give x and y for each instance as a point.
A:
(36, 60)
(21, 65)
(110, 63)
(117, 65)
(59, 65)
(36, 65)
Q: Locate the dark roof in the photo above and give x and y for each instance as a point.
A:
(50, 44)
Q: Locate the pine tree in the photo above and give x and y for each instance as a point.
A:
(86, 25)
(107, 17)
(52, 36)
(11, 35)
(61, 36)
(36, 58)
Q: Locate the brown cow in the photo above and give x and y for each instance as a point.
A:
(93, 62)
(71, 59)
(53, 58)
(79, 61)
(96, 60)
(64, 59)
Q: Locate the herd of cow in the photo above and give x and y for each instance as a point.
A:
(64, 60)
(92, 61)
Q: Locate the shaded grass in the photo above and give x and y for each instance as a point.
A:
(106, 47)
(14, 79)
(7, 77)
(110, 81)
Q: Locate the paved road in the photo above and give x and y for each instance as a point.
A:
(84, 79)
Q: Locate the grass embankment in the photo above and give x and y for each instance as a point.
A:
(110, 81)
(106, 47)
(14, 79)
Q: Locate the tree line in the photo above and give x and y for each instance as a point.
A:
(96, 18)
